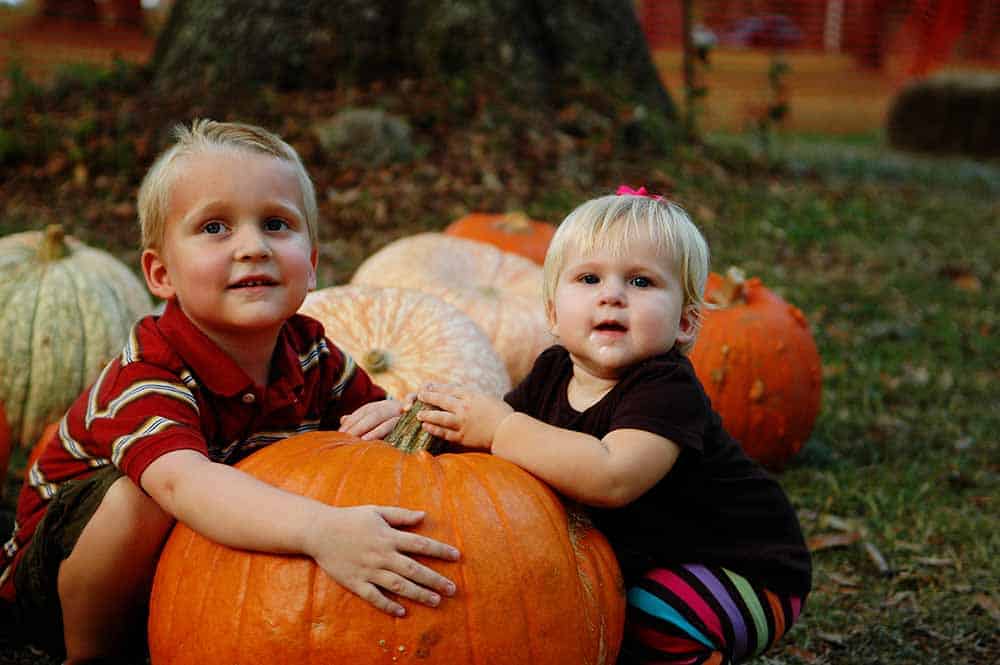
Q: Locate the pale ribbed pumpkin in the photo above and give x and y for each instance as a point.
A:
(536, 585)
(65, 311)
(404, 338)
(758, 362)
(500, 291)
(512, 232)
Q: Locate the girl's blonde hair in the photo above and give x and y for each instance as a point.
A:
(154, 193)
(614, 222)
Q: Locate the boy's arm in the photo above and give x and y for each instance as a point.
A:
(358, 546)
(612, 471)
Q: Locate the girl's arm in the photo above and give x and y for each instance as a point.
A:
(357, 546)
(609, 472)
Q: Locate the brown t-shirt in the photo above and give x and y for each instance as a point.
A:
(715, 507)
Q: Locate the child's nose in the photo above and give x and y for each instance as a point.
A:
(612, 293)
(252, 245)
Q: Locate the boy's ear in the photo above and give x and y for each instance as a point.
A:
(157, 277)
(687, 327)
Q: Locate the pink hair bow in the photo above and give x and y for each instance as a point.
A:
(625, 189)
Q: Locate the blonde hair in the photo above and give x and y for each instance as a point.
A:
(154, 193)
(615, 221)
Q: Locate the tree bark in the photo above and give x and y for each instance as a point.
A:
(538, 50)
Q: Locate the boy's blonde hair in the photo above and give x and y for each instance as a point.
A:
(613, 222)
(154, 193)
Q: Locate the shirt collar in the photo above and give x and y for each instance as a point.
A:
(215, 369)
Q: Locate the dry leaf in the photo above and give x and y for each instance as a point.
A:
(984, 602)
(828, 540)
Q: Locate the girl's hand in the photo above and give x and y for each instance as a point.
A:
(463, 416)
(361, 548)
(373, 420)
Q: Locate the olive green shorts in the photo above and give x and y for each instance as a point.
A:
(36, 576)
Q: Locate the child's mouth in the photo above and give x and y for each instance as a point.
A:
(611, 326)
(251, 283)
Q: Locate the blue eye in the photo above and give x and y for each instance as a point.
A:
(589, 279)
(213, 228)
(275, 224)
(641, 282)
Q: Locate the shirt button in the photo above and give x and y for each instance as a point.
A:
(249, 398)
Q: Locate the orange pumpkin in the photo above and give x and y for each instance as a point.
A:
(512, 232)
(36, 450)
(535, 584)
(500, 291)
(404, 338)
(758, 362)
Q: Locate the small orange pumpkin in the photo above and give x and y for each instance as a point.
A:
(500, 291)
(536, 585)
(40, 445)
(758, 362)
(404, 338)
(512, 232)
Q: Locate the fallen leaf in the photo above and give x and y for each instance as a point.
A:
(828, 540)
(984, 602)
(801, 654)
(876, 557)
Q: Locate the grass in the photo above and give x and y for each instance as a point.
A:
(892, 257)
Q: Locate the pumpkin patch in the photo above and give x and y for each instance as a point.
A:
(759, 364)
(65, 311)
(536, 584)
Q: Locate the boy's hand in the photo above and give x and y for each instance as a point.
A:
(373, 420)
(359, 548)
(466, 416)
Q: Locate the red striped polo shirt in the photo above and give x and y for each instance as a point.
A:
(172, 388)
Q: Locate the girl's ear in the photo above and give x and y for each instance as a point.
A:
(550, 315)
(313, 259)
(687, 327)
(156, 274)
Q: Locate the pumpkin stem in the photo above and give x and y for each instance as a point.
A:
(53, 245)
(375, 361)
(732, 290)
(409, 437)
(515, 222)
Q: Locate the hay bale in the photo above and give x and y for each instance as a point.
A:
(948, 113)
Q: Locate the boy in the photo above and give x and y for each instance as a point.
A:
(228, 217)
(614, 417)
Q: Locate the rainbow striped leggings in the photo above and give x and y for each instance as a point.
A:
(693, 614)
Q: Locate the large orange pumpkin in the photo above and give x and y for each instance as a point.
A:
(500, 291)
(512, 232)
(536, 585)
(758, 362)
(404, 338)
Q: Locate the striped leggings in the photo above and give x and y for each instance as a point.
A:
(696, 615)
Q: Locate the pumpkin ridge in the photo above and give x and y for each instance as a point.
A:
(20, 377)
(519, 565)
(449, 510)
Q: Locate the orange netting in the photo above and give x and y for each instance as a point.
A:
(908, 37)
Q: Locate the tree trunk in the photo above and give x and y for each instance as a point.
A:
(542, 51)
